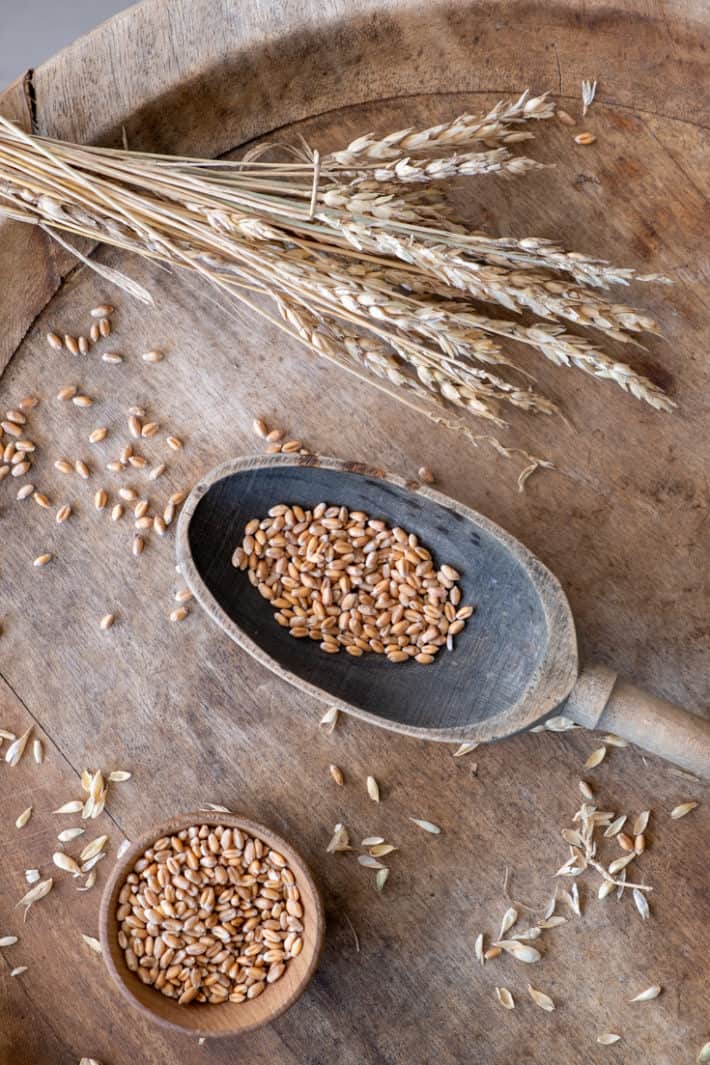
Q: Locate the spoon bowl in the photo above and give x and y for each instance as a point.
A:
(514, 661)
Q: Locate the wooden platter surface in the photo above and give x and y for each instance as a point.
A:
(623, 522)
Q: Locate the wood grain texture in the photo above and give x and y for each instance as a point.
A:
(623, 524)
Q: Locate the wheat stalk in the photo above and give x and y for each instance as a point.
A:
(360, 252)
(491, 128)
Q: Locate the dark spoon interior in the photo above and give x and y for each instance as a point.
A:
(514, 661)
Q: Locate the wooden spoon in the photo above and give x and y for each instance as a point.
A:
(514, 664)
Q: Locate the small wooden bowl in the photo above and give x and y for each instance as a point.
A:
(228, 1018)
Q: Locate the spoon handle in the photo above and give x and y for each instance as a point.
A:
(602, 700)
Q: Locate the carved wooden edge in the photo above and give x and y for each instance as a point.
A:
(590, 695)
(262, 64)
(551, 680)
(215, 1017)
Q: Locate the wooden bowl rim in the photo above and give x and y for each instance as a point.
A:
(123, 866)
(542, 695)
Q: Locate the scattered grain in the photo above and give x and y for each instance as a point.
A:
(615, 827)
(641, 904)
(119, 776)
(23, 818)
(589, 90)
(647, 995)
(329, 720)
(157, 471)
(541, 999)
(520, 951)
(427, 826)
(465, 748)
(66, 863)
(72, 807)
(17, 748)
(373, 789)
(681, 811)
(38, 891)
(585, 138)
(337, 774)
(595, 758)
(69, 834)
(509, 918)
(93, 849)
(381, 879)
(564, 117)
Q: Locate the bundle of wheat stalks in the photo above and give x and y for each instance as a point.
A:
(358, 250)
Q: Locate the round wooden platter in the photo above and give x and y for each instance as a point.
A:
(622, 521)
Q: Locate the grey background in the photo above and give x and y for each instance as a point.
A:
(33, 30)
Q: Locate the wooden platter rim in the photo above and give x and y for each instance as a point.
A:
(78, 113)
(542, 693)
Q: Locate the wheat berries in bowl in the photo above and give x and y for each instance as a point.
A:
(352, 582)
(211, 924)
